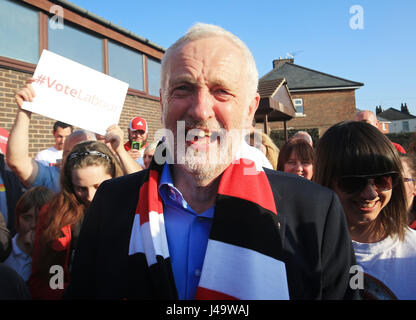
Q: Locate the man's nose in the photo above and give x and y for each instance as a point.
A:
(202, 105)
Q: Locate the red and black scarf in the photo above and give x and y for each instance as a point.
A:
(242, 258)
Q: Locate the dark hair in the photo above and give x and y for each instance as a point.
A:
(35, 198)
(302, 149)
(63, 125)
(358, 148)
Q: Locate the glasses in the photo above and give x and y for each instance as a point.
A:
(138, 133)
(356, 184)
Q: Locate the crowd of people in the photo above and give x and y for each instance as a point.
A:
(229, 218)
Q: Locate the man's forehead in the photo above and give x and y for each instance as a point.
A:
(214, 57)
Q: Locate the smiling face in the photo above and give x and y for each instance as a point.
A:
(206, 91)
(363, 208)
(137, 135)
(298, 166)
(86, 182)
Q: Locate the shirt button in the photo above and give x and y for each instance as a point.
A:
(197, 273)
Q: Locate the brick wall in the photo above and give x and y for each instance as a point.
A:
(40, 136)
(322, 109)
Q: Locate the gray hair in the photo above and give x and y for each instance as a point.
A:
(86, 135)
(202, 31)
(303, 135)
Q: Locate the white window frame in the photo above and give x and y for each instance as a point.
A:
(298, 102)
(407, 126)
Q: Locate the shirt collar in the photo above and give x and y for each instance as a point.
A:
(171, 195)
(168, 191)
(15, 248)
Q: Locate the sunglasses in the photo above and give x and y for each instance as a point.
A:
(356, 184)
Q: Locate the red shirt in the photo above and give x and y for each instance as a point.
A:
(39, 286)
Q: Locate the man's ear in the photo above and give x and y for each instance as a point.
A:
(252, 108)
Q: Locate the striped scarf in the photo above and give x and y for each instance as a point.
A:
(242, 259)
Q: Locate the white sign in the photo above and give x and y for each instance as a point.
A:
(75, 94)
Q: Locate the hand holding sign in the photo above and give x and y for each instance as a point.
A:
(25, 94)
(75, 94)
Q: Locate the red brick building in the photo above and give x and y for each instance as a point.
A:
(320, 99)
(30, 26)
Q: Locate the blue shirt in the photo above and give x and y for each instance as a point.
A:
(187, 233)
(19, 261)
(3, 201)
(48, 177)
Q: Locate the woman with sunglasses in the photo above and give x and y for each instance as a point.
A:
(85, 168)
(362, 166)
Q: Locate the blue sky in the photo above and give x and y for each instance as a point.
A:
(382, 55)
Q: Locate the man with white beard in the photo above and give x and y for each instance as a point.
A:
(206, 221)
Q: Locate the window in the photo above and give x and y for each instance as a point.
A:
(77, 45)
(153, 74)
(19, 32)
(405, 125)
(125, 65)
(298, 103)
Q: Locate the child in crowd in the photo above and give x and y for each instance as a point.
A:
(26, 213)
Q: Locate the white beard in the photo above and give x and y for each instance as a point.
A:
(207, 165)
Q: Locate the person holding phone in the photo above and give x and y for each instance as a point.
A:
(138, 132)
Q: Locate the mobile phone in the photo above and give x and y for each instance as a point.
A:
(136, 145)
